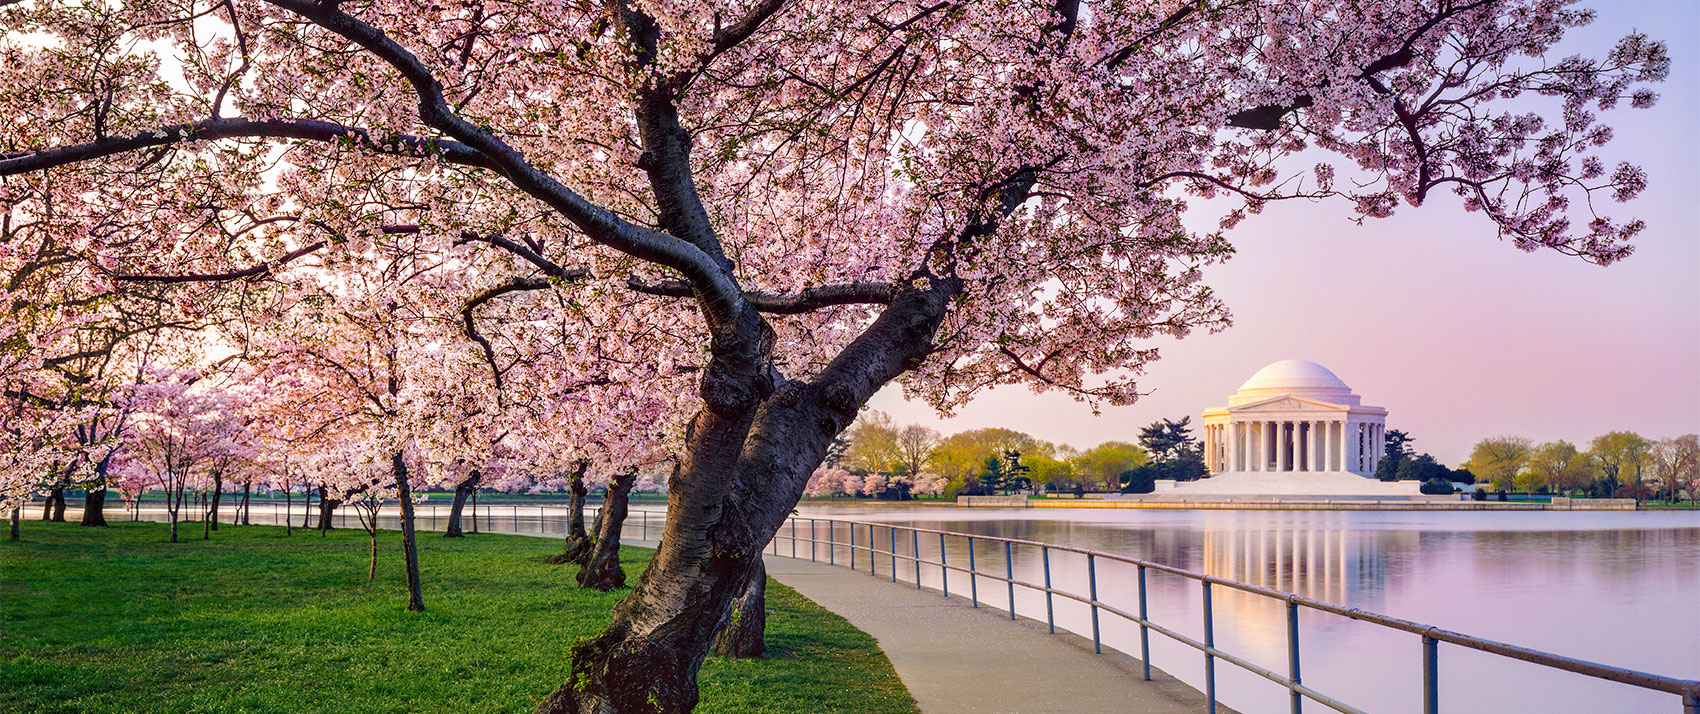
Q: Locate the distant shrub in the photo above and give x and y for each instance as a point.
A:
(1436, 487)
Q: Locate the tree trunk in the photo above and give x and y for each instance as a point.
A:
(743, 635)
(409, 546)
(58, 504)
(94, 507)
(175, 510)
(578, 543)
(306, 507)
(601, 570)
(327, 509)
(206, 521)
(288, 525)
(475, 508)
(247, 490)
(749, 451)
(217, 497)
(372, 559)
(463, 490)
(16, 512)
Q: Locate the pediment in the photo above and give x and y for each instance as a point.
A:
(1288, 403)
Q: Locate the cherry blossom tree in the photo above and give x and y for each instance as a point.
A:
(180, 426)
(797, 203)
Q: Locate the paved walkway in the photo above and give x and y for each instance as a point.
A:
(955, 658)
(959, 659)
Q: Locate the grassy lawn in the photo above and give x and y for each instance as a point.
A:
(119, 620)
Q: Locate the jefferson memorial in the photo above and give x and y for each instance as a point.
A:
(1293, 429)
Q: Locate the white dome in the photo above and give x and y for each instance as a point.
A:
(1296, 377)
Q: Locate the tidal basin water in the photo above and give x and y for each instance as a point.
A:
(1622, 588)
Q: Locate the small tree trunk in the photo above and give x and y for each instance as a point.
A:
(58, 501)
(327, 509)
(217, 497)
(247, 490)
(409, 546)
(174, 504)
(578, 543)
(15, 513)
(206, 521)
(475, 508)
(463, 490)
(372, 561)
(601, 570)
(743, 635)
(306, 507)
(94, 507)
(288, 525)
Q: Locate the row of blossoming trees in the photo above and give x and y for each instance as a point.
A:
(424, 238)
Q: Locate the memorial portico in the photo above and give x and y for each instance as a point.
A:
(1294, 416)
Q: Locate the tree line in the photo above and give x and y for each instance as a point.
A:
(1618, 464)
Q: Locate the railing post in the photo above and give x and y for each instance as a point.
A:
(1092, 589)
(891, 531)
(646, 525)
(812, 540)
(944, 568)
(1293, 656)
(793, 536)
(1209, 644)
(1009, 575)
(1144, 629)
(831, 542)
(915, 550)
(1050, 613)
(852, 546)
(973, 582)
(1691, 702)
(1431, 675)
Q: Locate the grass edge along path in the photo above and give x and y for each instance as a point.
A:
(119, 620)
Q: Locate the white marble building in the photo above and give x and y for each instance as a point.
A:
(1293, 428)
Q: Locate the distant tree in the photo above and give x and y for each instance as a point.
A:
(1423, 467)
(1394, 454)
(1140, 479)
(991, 476)
(1619, 457)
(1461, 475)
(1048, 472)
(1557, 466)
(835, 452)
(1102, 465)
(1674, 465)
(873, 444)
(915, 444)
(960, 457)
(1166, 439)
(1435, 487)
(1498, 459)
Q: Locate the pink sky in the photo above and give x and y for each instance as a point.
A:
(1460, 336)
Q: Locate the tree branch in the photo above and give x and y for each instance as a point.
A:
(18, 162)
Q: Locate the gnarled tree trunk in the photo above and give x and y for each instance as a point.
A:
(578, 543)
(748, 454)
(327, 509)
(744, 633)
(601, 570)
(463, 490)
(94, 506)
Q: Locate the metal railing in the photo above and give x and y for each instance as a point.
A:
(1686, 689)
(871, 556)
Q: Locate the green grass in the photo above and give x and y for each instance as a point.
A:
(119, 620)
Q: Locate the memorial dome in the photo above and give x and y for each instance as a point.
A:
(1296, 377)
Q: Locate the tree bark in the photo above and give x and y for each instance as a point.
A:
(16, 512)
(743, 635)
(94, 507)
(601, 570)
(247, 490)
(327, 508)
(288, 525)
(306, 506)
(463, 490)
(748, 453)
(578, 543)
(409, 546)
(217, 498)
(53, 509)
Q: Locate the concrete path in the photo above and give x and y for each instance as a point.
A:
(955, 658)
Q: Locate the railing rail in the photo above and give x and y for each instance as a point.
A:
(650, 521)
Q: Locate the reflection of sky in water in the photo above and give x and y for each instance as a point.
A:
(1619, 588)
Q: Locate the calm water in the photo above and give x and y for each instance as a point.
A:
(1614, 587)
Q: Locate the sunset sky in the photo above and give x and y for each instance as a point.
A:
(1428, 314)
